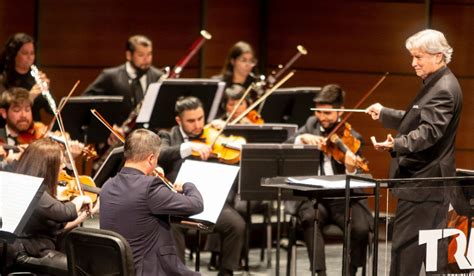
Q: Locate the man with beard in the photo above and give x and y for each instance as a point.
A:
(315, 132)
(15, 108)
(177, 145)
(131, 79)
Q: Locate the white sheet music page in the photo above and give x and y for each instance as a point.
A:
(328, 183)
(149, 102)
(213, 181)
(16, 193)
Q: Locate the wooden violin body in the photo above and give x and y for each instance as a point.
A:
(67, 188)
(224, 148)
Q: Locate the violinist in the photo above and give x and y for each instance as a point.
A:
(135, 197)
(330, 210)
(20, 129)
(178, 145)
(51, 219)
(232, 97)
(16, 60)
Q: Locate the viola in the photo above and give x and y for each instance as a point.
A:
(67, 188)
(340, 142)
(224, 148)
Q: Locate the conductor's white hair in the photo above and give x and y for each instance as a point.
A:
(432, 42)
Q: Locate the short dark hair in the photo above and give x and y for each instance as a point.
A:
(330, 94)
(14, 95)
(136, 40)
(186, 103)
(141, 143)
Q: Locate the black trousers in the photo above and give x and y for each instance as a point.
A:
(231, 229)
(411, 217)
(332, 211)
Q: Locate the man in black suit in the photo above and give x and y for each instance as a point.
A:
(177, 146)
(137, 205)
(315, 132)
(423, 147)
(131, 79)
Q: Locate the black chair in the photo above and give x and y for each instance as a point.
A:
(98, 252)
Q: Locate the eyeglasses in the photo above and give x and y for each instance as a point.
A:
(251, 62)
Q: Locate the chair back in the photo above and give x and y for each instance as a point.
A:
(98, 252)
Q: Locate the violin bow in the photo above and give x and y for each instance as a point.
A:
(122, 139)
(359, 103)
(68, 150)
(62, 103)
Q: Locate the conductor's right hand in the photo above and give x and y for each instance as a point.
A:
(374, 110)
(201, 149)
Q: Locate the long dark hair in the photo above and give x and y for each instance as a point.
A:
(235, 51)
(8, 55)
(42, 158)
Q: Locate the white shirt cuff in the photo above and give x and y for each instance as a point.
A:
(185, 149)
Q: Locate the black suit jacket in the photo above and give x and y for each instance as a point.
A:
(312, 126)
(115, 82)
(170, 156)
(138, 207)
(424, 145)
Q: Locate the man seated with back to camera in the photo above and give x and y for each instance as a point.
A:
(137, 205)
(331, 210)
(178, 146)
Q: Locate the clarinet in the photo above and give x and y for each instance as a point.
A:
(43, 87)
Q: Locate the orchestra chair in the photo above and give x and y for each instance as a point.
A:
(93, 251)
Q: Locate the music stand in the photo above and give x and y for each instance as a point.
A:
(110, 167)
(259, 161)
(19, 195)
(289, 105)
(82, 125)
(158, 106)
(266, 133)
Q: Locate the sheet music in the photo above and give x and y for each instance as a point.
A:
(336, 183)
(213, 181)
(17, 191)
(149, 102)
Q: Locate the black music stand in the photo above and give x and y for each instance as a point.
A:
(81, 124)
(259, 161)
(25, 198)
(266, 133)
(110, 167)
(319, 192)
(157, 111)
(289, 105)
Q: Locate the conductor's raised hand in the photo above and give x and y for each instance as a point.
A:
(386, 145)
(374, 110)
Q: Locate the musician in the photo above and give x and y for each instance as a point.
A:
(232, 96)
(15, 71)
(178, 146)
(51, 218)
(423, 147)
(131, 79)
(16, 110)
(330, 210)
(239, 67)
(134, 197)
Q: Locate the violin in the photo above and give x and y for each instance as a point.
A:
(225, 148)
(67, 188)
(38, 131)
(340, 142)
(253, 117)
